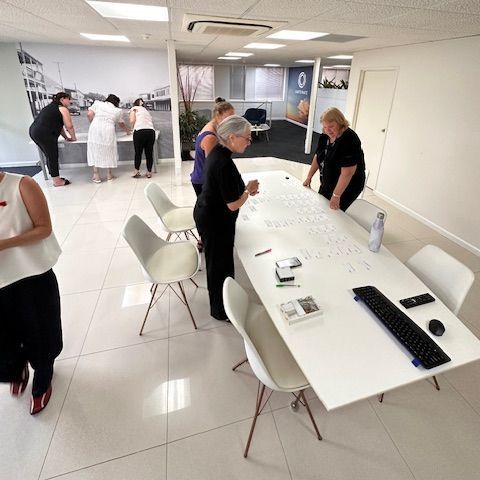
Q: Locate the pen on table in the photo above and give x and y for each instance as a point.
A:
(280, 285)
(264, 252)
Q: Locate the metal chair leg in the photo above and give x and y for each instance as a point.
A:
(257, 413)
(380, 397)
(186, 304)
(168, 236)
(149, 307)
(437, 386)
(194, 282)
(245, 360)
(307, 406)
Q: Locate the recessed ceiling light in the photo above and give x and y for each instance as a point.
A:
(106, 38)
(266, 46)
(229, 58)
(238, 54)
(340, 66)
(342, 57)
(271, 65)
(296, 35)
(130, 11)
(304, 61)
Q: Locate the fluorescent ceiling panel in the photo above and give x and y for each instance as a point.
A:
(266, 46)
(271, 65)
(342, 57)
(105, 38)
(130, 11)
(304, 61)
(296, 35)
(238, 54)
(229, 58)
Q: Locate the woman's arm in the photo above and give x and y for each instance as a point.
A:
(132, 117)
(67, 124)
(250, 189)
(90, 115)
(311, 172)
(208, 143)
(346, 175)
(37, 209)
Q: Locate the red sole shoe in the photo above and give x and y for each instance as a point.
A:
(40, 402)
(17, 388)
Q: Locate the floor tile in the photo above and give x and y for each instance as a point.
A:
(77, 313)
(470, 310)
(147, 465)
(119, 315)
(354, 446)
(116, 405)
(24, 438)
(124, 269)
(213, 394)
(436, 432)
(105, 212)
(404, 250)
(218, 454)
(82, 271)
(92, 237)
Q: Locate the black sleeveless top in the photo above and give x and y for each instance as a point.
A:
(49, 120)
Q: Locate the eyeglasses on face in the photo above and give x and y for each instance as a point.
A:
(248, 139)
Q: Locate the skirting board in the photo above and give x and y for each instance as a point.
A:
(446, 233)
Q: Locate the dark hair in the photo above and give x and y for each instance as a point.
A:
(136, 103)
(113, 99)
(58, 96)
(219, 99)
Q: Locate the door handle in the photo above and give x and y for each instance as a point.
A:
(383, 130)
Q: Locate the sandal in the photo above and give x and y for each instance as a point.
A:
(136, 175)
(96, 180)
(148, 174)
(65, 182)
(111, 178)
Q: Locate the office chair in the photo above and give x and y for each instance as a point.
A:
(256, 116)
(175, 220)
(163, 263)
(364, 213)
(269, 357)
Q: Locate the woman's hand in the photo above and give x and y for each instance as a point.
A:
(335, 202)
(307, 182)
(252, 187)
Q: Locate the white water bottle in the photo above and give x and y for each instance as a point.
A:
(376, 233)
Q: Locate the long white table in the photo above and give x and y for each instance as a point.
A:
(346, 354)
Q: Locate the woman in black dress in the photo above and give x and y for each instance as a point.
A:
(339, 157)
(216, 210)
(52, 121)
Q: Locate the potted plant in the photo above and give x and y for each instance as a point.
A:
(190, 121)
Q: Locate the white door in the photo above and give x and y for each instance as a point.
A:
(372, 114)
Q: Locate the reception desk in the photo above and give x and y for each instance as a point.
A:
(74, 153)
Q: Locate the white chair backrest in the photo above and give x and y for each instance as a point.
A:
(364, 213)
(449, 279)
(237, 306)
(367, 173)
(142, 239)
(159, 199)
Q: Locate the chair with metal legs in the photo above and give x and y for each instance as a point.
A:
(267, 354)
(364, 213)
(175, 220)
(449, 279)
(163, 263)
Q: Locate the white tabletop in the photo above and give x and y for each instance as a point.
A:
(121, 137)
(346, 354)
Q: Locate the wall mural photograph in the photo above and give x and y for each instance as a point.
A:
(92, 74)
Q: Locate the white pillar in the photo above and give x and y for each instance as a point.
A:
(313, 104)
(172, 71)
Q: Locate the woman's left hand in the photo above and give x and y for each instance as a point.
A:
(335, 203)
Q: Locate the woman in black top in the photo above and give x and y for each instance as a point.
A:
(216, 210)
(339, 157)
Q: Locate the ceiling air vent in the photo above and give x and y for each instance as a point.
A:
(226, 26)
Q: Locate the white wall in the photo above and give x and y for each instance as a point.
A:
(15, 113)
(326, 98)
(431, 159)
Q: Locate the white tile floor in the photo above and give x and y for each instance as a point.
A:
(168, 406)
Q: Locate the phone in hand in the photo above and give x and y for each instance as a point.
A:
(291, 262)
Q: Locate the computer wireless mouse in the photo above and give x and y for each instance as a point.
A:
(436, 327)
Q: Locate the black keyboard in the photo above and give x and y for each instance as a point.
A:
(406, 331)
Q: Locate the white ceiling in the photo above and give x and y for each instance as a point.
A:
(381, 22)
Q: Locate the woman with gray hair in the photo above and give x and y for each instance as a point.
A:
(216, 210)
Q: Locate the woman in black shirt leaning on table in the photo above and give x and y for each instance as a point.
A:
(339, 157)
(216, 210)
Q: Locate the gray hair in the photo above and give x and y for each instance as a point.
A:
(233, 125)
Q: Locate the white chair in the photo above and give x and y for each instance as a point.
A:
(449, 279)
(367, 173)
(163, 263)
(364, 213)
(267, 353)
(175, 220)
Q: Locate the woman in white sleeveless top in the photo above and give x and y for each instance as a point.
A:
(102, 149)
(31, 329)
(143, 136)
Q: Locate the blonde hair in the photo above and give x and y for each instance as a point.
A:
(333, 114)
(221, 106)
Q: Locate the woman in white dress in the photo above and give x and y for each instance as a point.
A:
(102, 149)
